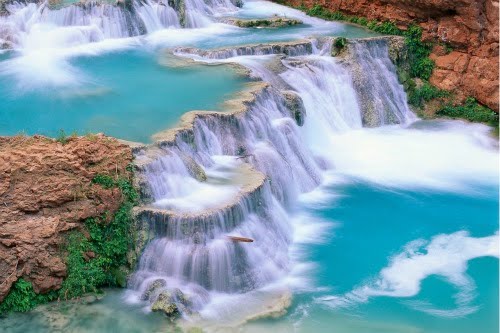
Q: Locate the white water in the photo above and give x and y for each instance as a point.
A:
(446, 256)
(214, 272)
(192, 251)
(331, 144)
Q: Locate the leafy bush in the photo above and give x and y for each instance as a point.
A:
(421, 65)
(427, 92)
(105, 181)
(94, 261)
(340, 42)
(22, 298)
(63, 138)
(472, 111)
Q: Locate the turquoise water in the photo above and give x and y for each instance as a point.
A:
(129, 95)
(367, 226)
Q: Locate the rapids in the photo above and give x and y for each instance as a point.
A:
(364, 218)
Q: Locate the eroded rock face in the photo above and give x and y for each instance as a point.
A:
(45, 191)
(470, 27)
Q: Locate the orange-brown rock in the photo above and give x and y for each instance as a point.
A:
(45, 191)
(470, 27)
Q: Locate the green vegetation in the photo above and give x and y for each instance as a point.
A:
(339, 45)
(22, 298)
(427, 92)
(94, 259)
(471, 110)
(98, 260)
(418, 67)
(63, 138)
(340, 42)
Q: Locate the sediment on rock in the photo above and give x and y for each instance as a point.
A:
(296, 48)
(272, 22)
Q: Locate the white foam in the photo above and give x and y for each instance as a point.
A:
(446, 255)
(451, 158)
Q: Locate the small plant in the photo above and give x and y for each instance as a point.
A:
(471, 110)
(338, 45)
(340, 42)
(105, 181)
(448, 48)
(62, 137)
(418, 96)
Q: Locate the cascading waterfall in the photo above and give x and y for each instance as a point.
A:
(192, 255)
(191, 262)
(198, 12)
(95, 21)
(382, 97)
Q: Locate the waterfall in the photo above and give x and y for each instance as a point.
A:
(287, 48)
(199, 12)
(85, 22)
(191, 254)
(281, 136)
(382, 97)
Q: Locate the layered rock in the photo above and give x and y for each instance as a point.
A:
(46, 191)
(294, 48)
(470, 28)
(273, 22)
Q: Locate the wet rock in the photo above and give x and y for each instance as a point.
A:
(171, 303)
(237, 3)
(296, 106)
(153, 286)
(273, 22)
(195, 170)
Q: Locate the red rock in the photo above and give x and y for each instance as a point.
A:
(469, 26)
(46, 191)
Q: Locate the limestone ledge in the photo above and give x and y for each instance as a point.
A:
(154, 222)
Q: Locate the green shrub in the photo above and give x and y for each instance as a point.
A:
(22, 298)
(340, 42)
(108, 242)
(317, 10)
(418, 96)
(471, 111)
(422, 68)
(105, 181)
(62, 137)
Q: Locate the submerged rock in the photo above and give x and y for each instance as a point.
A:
(195, 170)
(273, 22)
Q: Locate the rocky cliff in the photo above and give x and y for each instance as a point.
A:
(46, 190)
(466, 32)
